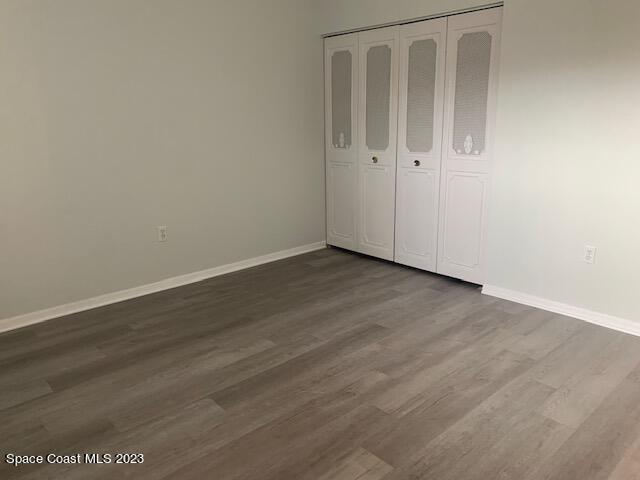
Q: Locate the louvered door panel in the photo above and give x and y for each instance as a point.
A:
(378, 50)
(471, 87)
(341, 120)
(421, 100)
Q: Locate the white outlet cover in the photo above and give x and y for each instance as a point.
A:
(590, 254)
(162, 233)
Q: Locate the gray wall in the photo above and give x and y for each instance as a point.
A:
(568, 163)
(117, 116)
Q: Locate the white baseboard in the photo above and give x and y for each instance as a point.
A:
(602, 319)
(19, 321)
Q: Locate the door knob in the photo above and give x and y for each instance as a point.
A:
(416, 163)
(374, 159)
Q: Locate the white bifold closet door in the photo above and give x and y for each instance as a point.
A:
(377, 120)
(410, 116)
(420, 112)
(341, 146)
(471, 86)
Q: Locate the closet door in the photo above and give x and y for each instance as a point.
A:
(378, 110)
(341, 87)
(421, 101)
(472, 67)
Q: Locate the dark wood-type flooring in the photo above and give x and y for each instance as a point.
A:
(328, 366)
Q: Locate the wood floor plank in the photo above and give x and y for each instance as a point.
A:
(601, 441)
(629, 466)
(445, 402)
(358, 465)
(456, 450)
(17, 392)
(538, 343)
(581, 394)
(291, 444)
(570, 357)
(329, 365)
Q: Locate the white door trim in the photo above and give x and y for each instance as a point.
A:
(418, 173)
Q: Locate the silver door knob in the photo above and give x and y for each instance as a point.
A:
(374, 159)
(416, 163)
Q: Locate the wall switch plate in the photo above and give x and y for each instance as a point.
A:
(590, 254)
(162, 233)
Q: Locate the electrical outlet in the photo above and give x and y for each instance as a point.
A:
(162, 233)
(589, 254)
